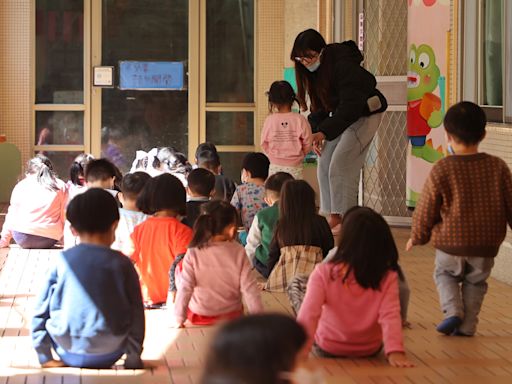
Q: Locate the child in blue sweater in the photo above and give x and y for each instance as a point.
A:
(90, 309)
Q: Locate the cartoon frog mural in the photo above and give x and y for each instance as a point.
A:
(424, 110)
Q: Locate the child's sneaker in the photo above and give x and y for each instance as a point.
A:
(449, 325)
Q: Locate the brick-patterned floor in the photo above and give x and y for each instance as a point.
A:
(177, 354)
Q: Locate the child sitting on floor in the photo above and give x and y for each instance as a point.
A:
(274, 355)
(129, 215)
(301, 239)
(35, 218)
(216, 272)
(201, 186)
(99, 173)
(351, 307)
(210, 160)
(263, 225)
(249, 198)
(76, 183)
(90, 308)
(161, 238)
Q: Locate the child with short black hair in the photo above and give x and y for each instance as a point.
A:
(129, 215)
(100, 173)
(276, 343)
(464, 209)
(90, 308)
(352, 307)
(162, 237)
(201, 186)
(286, 136)
(210, 159)
(264, 223)
(216, 272)
(249, 198)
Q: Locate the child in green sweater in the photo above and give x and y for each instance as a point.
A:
(262, 228)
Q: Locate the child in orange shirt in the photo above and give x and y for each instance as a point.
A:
(158, 240)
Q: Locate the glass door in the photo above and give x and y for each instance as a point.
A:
(142, 40)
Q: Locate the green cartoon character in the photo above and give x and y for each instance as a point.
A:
(424, 110)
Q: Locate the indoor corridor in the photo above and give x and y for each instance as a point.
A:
(176, 355)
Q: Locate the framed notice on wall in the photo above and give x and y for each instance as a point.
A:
(151, 75)
(103, 76)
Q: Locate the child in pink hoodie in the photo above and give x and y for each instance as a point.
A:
(216, 271)
(286, 136)
(351, 307)
(35, 218)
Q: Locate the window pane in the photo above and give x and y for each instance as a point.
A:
(229, 51)
(230, 128)
(493, 73)
(232, 164)
(143, 119)
(61, 162)
(59, 51)
(58, 127)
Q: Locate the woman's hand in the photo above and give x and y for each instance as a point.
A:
(318, 140)
(399, 360)
(409, 245)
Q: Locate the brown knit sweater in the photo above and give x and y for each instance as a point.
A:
(465, 206)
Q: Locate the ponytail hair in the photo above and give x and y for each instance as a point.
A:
(42, 168)
(77, 169)
(215, 216)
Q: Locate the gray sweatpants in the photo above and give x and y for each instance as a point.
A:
(462, 285)
(340, 165)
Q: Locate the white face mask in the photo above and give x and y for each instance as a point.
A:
(313, 67)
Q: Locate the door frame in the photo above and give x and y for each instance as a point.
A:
(194, 63)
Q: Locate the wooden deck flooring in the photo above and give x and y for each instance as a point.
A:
(177, 354)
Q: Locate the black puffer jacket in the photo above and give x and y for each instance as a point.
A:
(349, 90)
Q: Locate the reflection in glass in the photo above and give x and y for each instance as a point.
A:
(59, 127)
(493, 47)
(137, 119)
(232, 164)
(59, 51)
(230, 128)
(230, 51)
(61, 161)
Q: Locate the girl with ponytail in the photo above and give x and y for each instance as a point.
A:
(216, 271)
(35, 218)
(286, 136)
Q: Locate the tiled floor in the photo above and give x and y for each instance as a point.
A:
(177, 354)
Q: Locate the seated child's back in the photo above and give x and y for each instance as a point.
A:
(263, 226)
(216, 271)
(224, 186)
(162, 237)
(129, 215)
(74, 316)
(201, 185)
(249, 198)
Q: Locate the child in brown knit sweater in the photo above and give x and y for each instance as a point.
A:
(464, 209)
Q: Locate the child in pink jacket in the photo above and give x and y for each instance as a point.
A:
(35, 218)
(286, 136)
(351, 307)
(216, 271)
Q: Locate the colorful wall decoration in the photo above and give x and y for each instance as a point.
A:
(428, 37)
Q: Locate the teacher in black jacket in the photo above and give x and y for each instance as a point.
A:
(345, 108)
